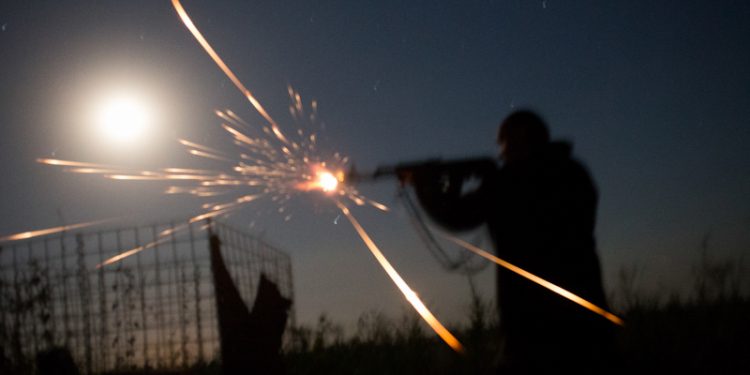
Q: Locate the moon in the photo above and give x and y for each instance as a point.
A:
(123, 118)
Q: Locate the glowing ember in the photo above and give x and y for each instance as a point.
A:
(44, 232)
(530, 276)
(409, 294)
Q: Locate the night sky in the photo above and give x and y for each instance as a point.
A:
(655, 98)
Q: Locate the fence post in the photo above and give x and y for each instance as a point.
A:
(84, 296)
(197, 290)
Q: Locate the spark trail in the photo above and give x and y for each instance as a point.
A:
(48, 231)
(538, 280)
(408, 293)
(217, 59)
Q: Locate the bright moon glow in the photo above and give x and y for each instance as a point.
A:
(123, 118)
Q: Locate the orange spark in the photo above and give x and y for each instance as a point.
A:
(68, 163)
(236, 118)
(410, 295)
(232, 118)
(187, 170)
(209, 155)
(198, 191)
(133, 177)
(236, 202)
(44, 232)
(238, 135)
(169, 231)
(204, 43)
(207, 215)
(92, 170)
(530, 276)
(162, 238)
(163, 235)
(378, 205)
(187, 143)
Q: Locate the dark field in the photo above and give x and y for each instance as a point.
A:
(704, 332)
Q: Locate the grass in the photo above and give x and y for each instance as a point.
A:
(706, 331)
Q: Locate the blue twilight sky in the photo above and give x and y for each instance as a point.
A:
(655, 96)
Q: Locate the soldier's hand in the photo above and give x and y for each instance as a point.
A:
(405, 177)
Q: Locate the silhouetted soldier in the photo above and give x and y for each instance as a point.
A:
(540, 209)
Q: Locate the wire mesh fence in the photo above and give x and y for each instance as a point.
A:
(152, 310)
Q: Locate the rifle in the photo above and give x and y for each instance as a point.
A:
(465, 167)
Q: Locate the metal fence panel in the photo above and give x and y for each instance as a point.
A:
(152, 310)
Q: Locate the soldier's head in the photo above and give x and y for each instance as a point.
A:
(521, 134)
